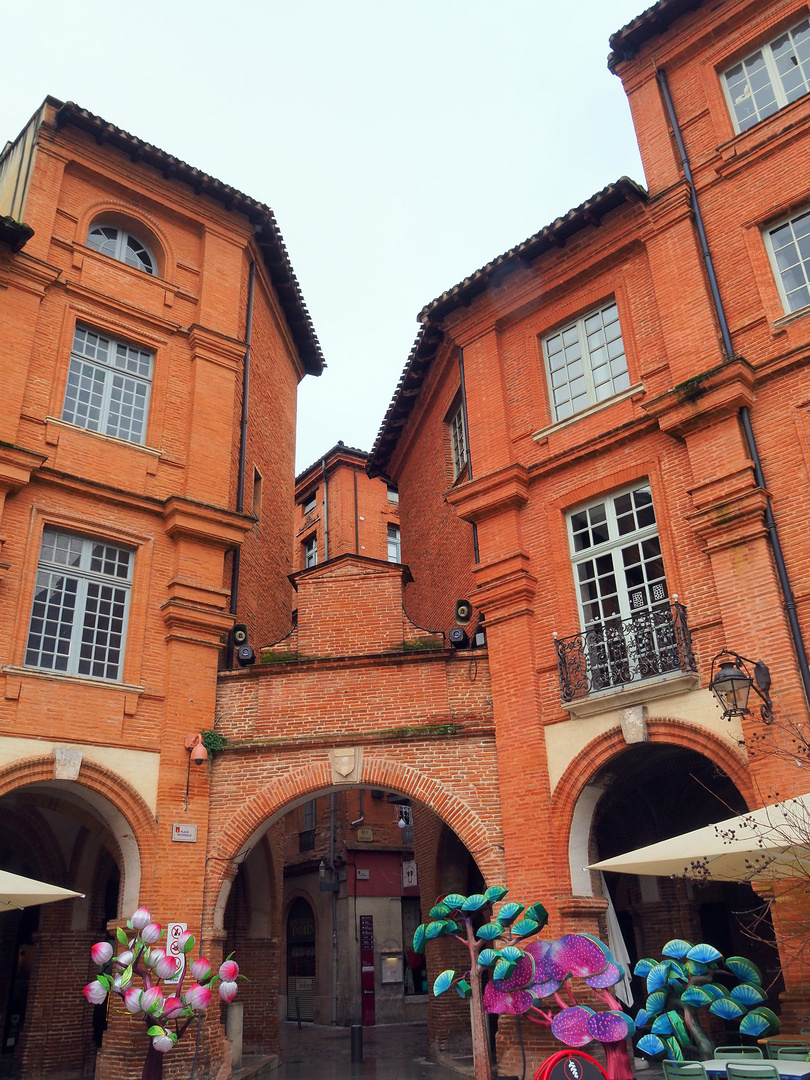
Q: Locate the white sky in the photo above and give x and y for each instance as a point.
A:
(401, 145)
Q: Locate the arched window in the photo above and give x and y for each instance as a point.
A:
(122, 245)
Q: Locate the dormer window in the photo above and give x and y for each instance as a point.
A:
(120, 244)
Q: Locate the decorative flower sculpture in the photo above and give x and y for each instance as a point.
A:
(137, 974)
(523, 975)
(686, 981)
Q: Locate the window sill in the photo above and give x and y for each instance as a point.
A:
(559, 425)
(81, 680)
(52, 420)
(786, 320)
(637, 693)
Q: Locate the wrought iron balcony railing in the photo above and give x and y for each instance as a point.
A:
(616, 652)
(306, 840)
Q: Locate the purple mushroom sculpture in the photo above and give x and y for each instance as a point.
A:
(517, 975)
(545, 972)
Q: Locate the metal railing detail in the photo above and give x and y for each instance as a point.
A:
(616, 652)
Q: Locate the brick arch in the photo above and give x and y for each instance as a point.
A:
(123, 811)
(600, 751)
(315, 778)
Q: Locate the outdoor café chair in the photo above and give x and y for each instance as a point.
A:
(739, 1070)
(795, 1052)
(738, 1052)
(683, 1070)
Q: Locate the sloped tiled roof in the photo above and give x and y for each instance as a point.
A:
(657, 19)
(430, 335)
(268, 236)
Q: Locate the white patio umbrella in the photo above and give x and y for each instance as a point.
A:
(22, 892)
(773, 842)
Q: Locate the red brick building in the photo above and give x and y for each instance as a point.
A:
(340, 508)
(134, 293)
(596, 405)
(593, 439)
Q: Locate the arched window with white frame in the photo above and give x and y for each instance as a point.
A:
(119, 243)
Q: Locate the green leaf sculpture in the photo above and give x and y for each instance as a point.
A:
(687, 980)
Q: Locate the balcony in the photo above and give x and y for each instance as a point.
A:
(306, 840)
(601, 667)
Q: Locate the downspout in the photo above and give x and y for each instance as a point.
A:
(704, 243)
(745, 417)
(325, 511)
(240, 479)
(332, 813)
(356, 532)
(463, 386)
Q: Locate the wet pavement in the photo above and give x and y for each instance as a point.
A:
(391, 1051)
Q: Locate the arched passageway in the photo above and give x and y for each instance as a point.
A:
(651, 792)
(326, 902)
(68, 834)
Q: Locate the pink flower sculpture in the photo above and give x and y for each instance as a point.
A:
(140, 968)
(101, 952)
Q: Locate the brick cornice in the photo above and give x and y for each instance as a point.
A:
(505, 589)
(506, 489)
(703, 400)
(17, 465)
(201, 521)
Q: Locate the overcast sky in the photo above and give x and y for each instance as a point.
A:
(401, 145)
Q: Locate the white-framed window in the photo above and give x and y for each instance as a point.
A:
(81, 600)
(770, 78)
(393, 494)
(108, 385)
(311, 552)
(585, 362)
(310, 502)
(120, 244)
(789, 248)
(458, 440)
(621, 588)
(394, 548)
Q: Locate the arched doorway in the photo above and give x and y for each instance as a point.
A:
(301, 961)
(327, 900)
(62, 833)
(651, 792)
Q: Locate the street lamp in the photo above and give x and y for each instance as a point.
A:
(330, 883)
(732, 682)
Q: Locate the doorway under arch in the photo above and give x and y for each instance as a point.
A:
(650, 792)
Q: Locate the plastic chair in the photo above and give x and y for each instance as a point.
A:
(794, 1052)
(683, 1070)
(738, 1052)
(741, 1070)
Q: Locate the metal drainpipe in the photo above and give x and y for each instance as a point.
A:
(463, 385)
(240, 480)
(325, 511)
(745, 418)
(704, 243)
(356, 532)
(332, 812)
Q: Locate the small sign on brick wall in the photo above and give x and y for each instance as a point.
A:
(365, 835)
(184, 834)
